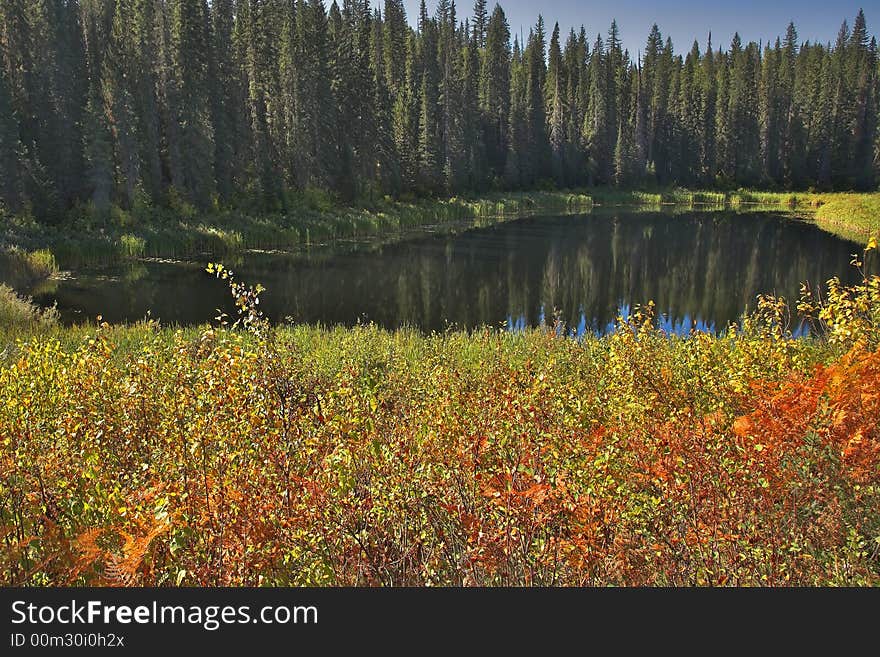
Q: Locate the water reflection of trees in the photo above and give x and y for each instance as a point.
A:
(705, 268)
(695, 268)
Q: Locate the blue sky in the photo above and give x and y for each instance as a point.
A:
(683, 21)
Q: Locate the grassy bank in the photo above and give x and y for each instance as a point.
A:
(313, 219)
(300, 455)
(183, 233)
(853, 216)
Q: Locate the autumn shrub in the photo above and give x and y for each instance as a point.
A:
(298, 455)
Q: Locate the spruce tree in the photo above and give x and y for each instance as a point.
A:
(769, 116)
(405, 119)
(429, 155)
(707, 123)
(556, 85)
(496, 91)
(395, 37)
(573, 61)
(190, 47)
(517, 130)
(120, 94)
(475, 165)
(595, 128)
(10, 149)
(536, 166)
(144, 81)
(480, 23)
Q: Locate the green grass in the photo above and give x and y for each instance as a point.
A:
(310, 218)
(853, 216)
(20, 317)
(22, 268)
(314, 217)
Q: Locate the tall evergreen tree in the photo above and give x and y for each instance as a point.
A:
(495, 90)
(144, 81)
(471, 133)
(517, 130)
(537, 163)
(190, 56)
(10, 149)
(119, 95)
(480, 23)
(98, 144)
(429, 153)
(405, 119)
(556, 86)
(395, 34)
(595, 128)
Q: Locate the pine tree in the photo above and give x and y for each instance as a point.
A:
(395, 34)
(556, 86)
(640, 129)
(10, 149)
(650, 66)
(68, 91)
(449, 96)
(707, 122)
(595, 128)
(168, 97)
(226, 96)
(536, 166)
(616, 85)
(769, 116)
(296, 150)
(405, 120)
(480, 23)
(144, 81)
(45, 146)
(429, 156)
(471, 133)
(119, 95)
(495, 90)
(517, 130)
(190, 57)
(823, 125)
(862, 73)
(387, 166)
(663, 123)
(98, 141)
(573, 58)
(791, 123)
(688, 118)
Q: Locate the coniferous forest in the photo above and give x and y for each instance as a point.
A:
(233, 102)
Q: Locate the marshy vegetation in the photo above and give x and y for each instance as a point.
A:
(318, 219)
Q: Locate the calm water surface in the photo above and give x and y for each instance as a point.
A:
(701, 269)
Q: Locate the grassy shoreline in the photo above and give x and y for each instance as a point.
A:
(164, 234)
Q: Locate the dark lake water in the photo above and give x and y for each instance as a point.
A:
(701, 269)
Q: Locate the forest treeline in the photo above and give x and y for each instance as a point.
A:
(244, 103)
